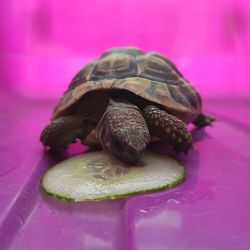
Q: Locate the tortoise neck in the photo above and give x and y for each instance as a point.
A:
(120, 102)
(126, 98)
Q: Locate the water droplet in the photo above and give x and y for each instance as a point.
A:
(173, 201)
(143, 211)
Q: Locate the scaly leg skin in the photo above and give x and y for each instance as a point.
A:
(63, 131)
(123, 132)
(203, 121)
(168, 128)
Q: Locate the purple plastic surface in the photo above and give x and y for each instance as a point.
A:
(44, 43)
(209, 211)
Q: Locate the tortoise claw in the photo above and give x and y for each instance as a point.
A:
(183, 148)
(203, 120)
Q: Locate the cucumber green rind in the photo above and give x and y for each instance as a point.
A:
(58, 196)
(173, 183)
(165, 187)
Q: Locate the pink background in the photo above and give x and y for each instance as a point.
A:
(44, 43)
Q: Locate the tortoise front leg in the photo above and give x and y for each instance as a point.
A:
(62, 131)
(168, 127)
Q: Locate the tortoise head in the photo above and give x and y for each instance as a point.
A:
(123, 132)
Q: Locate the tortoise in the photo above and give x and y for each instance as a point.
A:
(124, 99)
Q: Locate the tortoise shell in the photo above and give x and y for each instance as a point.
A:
(150, 76)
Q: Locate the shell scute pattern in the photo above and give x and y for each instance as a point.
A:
(153, 90)
(150, 76)
(170, 63)
(155, 68)
(178, 96)
(191, 95)
(115, 66)
(82, 76)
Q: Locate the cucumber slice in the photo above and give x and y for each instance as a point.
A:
(99, 176)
